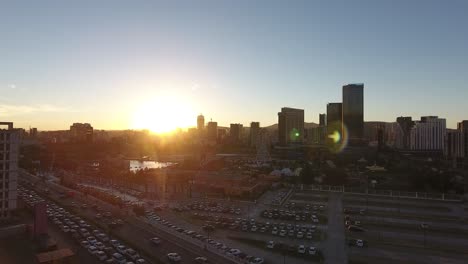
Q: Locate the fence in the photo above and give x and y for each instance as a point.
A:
(383, 193)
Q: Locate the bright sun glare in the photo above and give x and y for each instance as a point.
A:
(164, 114)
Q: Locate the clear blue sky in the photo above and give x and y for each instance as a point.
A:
(233, 61)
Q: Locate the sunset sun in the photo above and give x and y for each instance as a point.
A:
(164, 114)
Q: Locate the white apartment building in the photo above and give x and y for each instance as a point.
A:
(428, 134)
(9, 150)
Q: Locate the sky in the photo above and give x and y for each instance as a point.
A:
(130, 64)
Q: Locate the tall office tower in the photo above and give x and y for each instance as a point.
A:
(263, 145)
(9, 149)
(334, 121)
(290, 126)
(463, 128)
(428, 134)
(212, 131)
(353, 112)
(254, 130)
(81, 132)
(235, 133)
(454, 144)
(322, 120)
(406, 124)
(200, 122)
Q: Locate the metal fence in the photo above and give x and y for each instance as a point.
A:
(383, 193)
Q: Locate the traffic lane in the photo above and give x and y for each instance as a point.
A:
(176, 247)
(409, 255)
(132, 234)
(135, 235)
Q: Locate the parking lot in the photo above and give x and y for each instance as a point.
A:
(423, 231)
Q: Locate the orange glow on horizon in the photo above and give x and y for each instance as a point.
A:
(164, 114)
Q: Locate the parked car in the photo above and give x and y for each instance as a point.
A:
(174, 257)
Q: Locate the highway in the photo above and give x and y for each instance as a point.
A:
(135, 232)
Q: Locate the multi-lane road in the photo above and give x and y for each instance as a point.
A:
(135, 231)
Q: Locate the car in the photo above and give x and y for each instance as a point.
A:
(354, 228)
(359, 243)
(155, 240)
(100, 245)
(121, 249)
(118, 258)
(301, 249)
(101, 255)
(93, 250)
(233, 252)
(102, 237)
(114, 243)
(140, 261)
(283, 233)
(270, 244)
(312, 251)
(201, 260)
(131, 253)
(300, 235)
(254, 229)
(98, 216)
(274, 231)
(85, 244)
(92, 240)
(174, 257)
(257, 261)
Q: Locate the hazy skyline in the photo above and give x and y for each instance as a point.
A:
(235, 62)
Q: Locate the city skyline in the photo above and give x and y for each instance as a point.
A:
(127, 65)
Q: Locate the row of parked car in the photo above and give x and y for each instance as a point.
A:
(213, 207)
(298, 250)
(95, 241)
(290, 215)
(231, 252)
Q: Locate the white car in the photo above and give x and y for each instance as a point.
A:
(155, 240)
(312, 251)
(256, 261)
(233, 252)
(271, 244)
(100, 245)
(174, 257)
(85, 244)
(359, 243)
(300, 235)
(93, 250)
(92, 240)
(309, 235)
(118, 258)
(101, 255)
(301, 249)
(283, 233)
(132, 254)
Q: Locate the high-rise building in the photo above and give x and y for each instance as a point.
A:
(322, 120)
(235, 133)
(212, 131)
(455, 144)
(463, 128)
(9, 148)
(200, 122)
(334, 120)
(81, 132)
(353, 112)
(290, 126)
(33, 132)
(406, 124)
(254, 130)
(428, 134)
